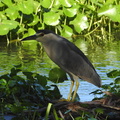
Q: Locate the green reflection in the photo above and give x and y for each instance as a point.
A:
(104, 56)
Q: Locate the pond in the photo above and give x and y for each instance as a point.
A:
(105, 56)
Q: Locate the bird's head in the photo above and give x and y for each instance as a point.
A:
(43, 36)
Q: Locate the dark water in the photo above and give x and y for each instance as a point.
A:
(104, 56)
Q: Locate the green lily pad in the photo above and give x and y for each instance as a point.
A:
(117, 80)
(7, 2)
(46, 3)
(35, 21)
(57, 75)
(26, 7)
(12, 13)
(2, 16)
(66, 31)
(67, 3)
(80, 22)
(31, 31)
(21, 29)
(112, 11)
(51, 18)
(11, 24)
(36, 6)
(4, 29)
(70, 12)
(113, 73)
(57, 3)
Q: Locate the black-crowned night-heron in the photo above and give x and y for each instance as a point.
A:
(68, 57)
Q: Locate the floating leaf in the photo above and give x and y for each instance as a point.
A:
(3, 83)
(35, 21)
(11, 24)
(36, 6)
(51, 18)
(57, 75)
(112, 11)
(29, 75)
(31, 31)
(17, 109)
(12, 83)
(46, 3)
(7, 2)
(21, 29)
(67, 3)
(4, 29)
(2, 16)
(70, 12)
(12, 13)
(113, 74)
(55, 92)
(80, 22)
(42, 80)
(1, 4)
(66, 31)
(117, 80)
(57, 3)
(26, 7)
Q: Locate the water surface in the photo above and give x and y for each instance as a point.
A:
(105, 57)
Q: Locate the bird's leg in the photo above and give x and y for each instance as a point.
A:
(75, 91)
(71, 87)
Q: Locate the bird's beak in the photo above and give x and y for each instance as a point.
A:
(33, 37)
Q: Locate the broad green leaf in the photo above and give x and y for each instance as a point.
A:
(42, 80)
(36, 6)
(46, 3)
(1, 4)
(29, 75)
(12, 83)
(67, 3)
(113, 74)
(112, 11)
(51, 18)
(2, 16)
(11, 24)
(31, 31)
(26, 7)
(57, 75)
(80, 22)
(16, 109)
(70, 12)
(117, 80)
(12, 13)
(66, 31)
(55, 92)
(2, 83)
(35, 21)
(57, 3)
(4, 29)
(109, 2)
(7, 2)
(21, 29)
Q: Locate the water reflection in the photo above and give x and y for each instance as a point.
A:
(30, 54)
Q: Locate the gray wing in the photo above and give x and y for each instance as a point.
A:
(78, 51)
(78, 64)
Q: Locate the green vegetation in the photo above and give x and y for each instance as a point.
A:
(20, 18)
(27, 95)
(31, 98)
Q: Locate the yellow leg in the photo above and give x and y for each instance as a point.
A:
(75, 91)
(71, 87)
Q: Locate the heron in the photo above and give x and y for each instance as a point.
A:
(68, 57)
